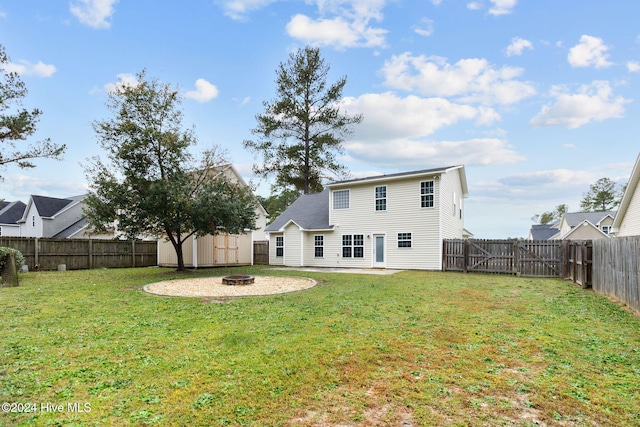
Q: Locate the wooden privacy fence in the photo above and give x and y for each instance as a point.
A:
(534, 258)
(531, 258)
(77, 254)
(261, 252)
(616, 269)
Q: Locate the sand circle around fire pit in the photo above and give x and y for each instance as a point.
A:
(213, 287)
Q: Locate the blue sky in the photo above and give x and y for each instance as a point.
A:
(537, 98)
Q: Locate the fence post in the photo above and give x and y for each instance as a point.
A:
(516, 258)
(133, 253)
(90, 254)
(466, 255)
(36, 251)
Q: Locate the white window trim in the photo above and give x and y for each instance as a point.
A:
(333, 199)
(410, 240)
(282, 246)
(376, 198)
(315, 246)
(433, 194)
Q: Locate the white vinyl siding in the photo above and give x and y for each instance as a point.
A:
(403, 211)
(630, 225)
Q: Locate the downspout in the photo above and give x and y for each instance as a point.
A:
(438, 180)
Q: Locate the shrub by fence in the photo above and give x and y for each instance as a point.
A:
(77, 254)
(616, 269)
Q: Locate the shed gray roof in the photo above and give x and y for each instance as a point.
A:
(309, 211)
(576, 218)
(11, 212)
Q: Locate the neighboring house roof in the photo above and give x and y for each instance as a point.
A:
(48, 207)
(309, 211)
(543, 231)
(628, 195)
(402, 175)
(576, 218)
(11, 212)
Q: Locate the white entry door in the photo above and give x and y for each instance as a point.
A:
(378, 251)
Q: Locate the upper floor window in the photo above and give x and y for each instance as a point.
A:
(381, 198)
(426, 194)
(33, 221)
(606, 229)
(341, 199)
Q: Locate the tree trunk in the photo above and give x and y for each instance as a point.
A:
(180, 255)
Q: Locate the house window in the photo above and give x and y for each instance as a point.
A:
(318, 242)
(341, 199)
(279, 246)
(33, 221)
(404, 240)
(381, 198)
(606, 229)
(426, 194)
(353, 246)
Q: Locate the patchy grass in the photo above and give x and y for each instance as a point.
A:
(412, 349)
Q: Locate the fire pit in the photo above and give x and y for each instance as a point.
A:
(238, 279)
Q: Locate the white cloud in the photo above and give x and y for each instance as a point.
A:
(238, 9)
(94, 13)
(390, 117)
(502, 7)
(408, 154)
(549, 178)
(592, 103)
(343, 24)
(26, 68)
(517, 46)
(472, 80)
(395, 132)
(633, 66)
(204, 92)
(425, 28)
(474, 5)
(124, 79)
(591, 51)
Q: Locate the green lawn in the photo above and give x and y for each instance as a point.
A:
(411, 349)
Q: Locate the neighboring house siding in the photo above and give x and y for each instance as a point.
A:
(630, 225)
(32, 227)
(65, 218)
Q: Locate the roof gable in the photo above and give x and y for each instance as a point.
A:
(576, 218)
(309, 212)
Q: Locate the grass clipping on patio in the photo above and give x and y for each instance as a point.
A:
(414, 348)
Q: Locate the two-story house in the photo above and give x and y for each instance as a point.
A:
(389, 221)
(53, 217)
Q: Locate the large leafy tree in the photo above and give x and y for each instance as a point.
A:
(301, 131)
(17, 124)
(602, 196)
(151, 184)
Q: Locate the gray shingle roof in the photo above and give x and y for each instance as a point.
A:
(11, 212)
(394, 175)
(49, 206)
(576, 218)
(309, 211)
(543, 231)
